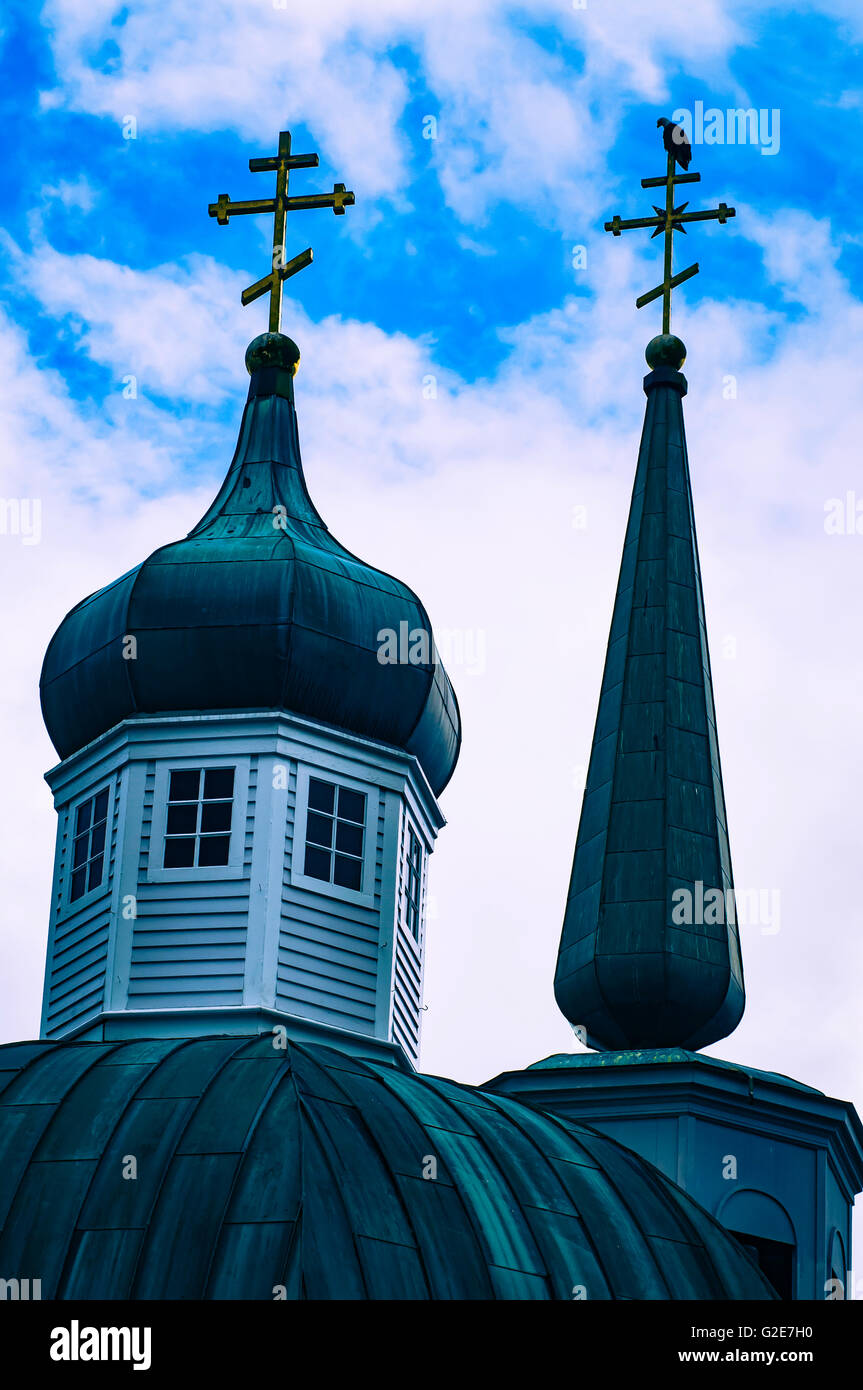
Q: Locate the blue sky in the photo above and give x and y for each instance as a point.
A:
(456, 262)
(405, 265)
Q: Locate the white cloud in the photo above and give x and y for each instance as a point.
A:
(800, 256)
(175, 328)
(470, 498)
(515, 121)
(72, 193)
(477, 248)
(88, 469)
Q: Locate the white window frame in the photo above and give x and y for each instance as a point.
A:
(69, 906)
(156, 873)
(366, 896)
(412, 830)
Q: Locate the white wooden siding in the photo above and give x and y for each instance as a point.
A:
(78, 952)
(256, 933)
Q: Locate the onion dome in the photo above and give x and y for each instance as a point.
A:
(311, 1174)
(259, 607)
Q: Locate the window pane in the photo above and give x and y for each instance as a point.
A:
(213, 849)
(100, 810)
(352, 805)
(82, 817)
(183, 820)
(79, 853)
(184, 785)
(179, 854)
(317, 863)
(215, 815)
(319, 829)
(97, 838)
(95, 875)
(349, 838)
(347, 873)
(321, 795)
(79, 884)
(218, 783)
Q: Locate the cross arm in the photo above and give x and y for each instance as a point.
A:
(617, 225)
(293, 161)
(338, 200)
(666, 285)
(224, 208)
(678, 178)
(720, 214)
(283, 272)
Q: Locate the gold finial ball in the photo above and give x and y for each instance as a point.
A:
(272, 350)
(665, 351)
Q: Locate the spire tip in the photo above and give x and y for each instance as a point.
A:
(665, 351)
(272, 350)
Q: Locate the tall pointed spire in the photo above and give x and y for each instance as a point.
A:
(650, 954)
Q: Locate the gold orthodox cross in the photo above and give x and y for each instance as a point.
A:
(669, 221)
(281, 205)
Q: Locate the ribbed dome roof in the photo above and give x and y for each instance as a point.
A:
(259, 607)
(305, 1168)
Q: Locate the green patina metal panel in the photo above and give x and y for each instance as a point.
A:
(316, 1177)
(642, 962)
(259, 607)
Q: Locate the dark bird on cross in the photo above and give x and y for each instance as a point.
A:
(670, 219)
(675, 141)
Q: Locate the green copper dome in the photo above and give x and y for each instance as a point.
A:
(323, 1176)
(259, 607)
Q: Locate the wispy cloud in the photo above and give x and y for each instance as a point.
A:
(468, 487)
(470, 495)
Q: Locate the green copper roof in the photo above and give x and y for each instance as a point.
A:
(649, 956)
(259, 607)
(664, 1056)
(311, 1169)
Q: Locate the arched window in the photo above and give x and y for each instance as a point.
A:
(765, 1230)
(837, 1268)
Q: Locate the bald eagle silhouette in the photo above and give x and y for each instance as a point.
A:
(675, 141)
